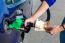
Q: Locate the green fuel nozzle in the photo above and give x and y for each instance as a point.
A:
(16, 24)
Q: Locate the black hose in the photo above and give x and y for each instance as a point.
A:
(48, 15)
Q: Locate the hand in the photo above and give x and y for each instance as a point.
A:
(47, 27)
(29, 20)
(56, 30)
(26, 21)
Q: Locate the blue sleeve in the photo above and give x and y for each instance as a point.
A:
(50, 2)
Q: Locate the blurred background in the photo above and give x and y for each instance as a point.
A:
(57, 15)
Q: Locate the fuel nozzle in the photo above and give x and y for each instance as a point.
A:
(16, 24)
(28, 27)
(17, 21)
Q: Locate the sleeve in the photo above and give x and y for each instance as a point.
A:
(50, 2)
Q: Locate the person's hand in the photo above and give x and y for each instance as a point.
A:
(31, 20)
(56, 30)
(47, 27)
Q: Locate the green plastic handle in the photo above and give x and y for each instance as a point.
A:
(16, 24)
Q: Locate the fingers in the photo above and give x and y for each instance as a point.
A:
(26, 21)
(56, 30)
(53, 32)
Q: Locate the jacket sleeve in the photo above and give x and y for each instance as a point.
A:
(50, 2)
